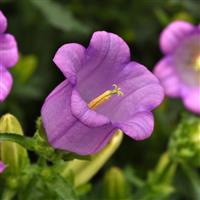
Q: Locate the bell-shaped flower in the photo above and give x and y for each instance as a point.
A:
(8, 58)
(179, 70)
(83, 112)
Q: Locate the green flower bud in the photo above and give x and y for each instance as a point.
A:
(84, 170)
(184, 145)
(12, 154)
(114, 185)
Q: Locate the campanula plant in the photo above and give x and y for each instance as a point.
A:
(83, 112)
(102, 96)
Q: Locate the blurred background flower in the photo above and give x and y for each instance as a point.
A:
(2, 167)
(8, 58)
(179, 70)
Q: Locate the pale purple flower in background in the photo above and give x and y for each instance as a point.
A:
(2, 167)
(179, 70)
(71, 124)
(8, 58)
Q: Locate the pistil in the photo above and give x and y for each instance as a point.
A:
(105, 97)
(197, 64)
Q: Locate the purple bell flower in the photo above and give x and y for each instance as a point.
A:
(2, 167)
(8, 58)
(179, 70)
(82, 113)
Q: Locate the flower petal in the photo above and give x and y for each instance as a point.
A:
(142, 92)
(87, 116)
(139, 127)
(5, 83)
(3, 22)
(67, 132)
(69, 59)
(173, 34)
(106, 56)
(8, 50)
(165, 71)
(2, 167)
(192, 100)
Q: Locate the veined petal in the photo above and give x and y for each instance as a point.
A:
(192, 100)
(87, 116)
(173, 34)
(165, 71)
(5, 83)
(3, 22)
(69, 59)
(142, 92)
(106, 56)
(65, 131)
(139, 127)
(8, 50)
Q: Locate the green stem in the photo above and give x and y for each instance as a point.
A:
(8, 194)
(193, 177)
(26, 142)
(41, 147)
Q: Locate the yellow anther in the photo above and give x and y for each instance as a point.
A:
(105, 97)
(197, 63)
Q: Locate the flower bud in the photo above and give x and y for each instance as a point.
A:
(84, 170)
(114, 185)
(184, 145)
(12, 154)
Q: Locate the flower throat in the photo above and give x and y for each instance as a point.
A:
(105, 97)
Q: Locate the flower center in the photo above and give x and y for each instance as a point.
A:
(105, 97)
(187, 60)
(197, 64)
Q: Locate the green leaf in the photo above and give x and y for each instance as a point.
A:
(83, 189)
(59, 16)
(184, 145)
(46, 183)
(25, 68)
(194, 180)
(132, 177)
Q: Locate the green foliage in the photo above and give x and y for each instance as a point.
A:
(25, 68)
(37, 182)
(48, 187)
(59, 16)
(193, 178)
(158, 185)
(184, 144)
